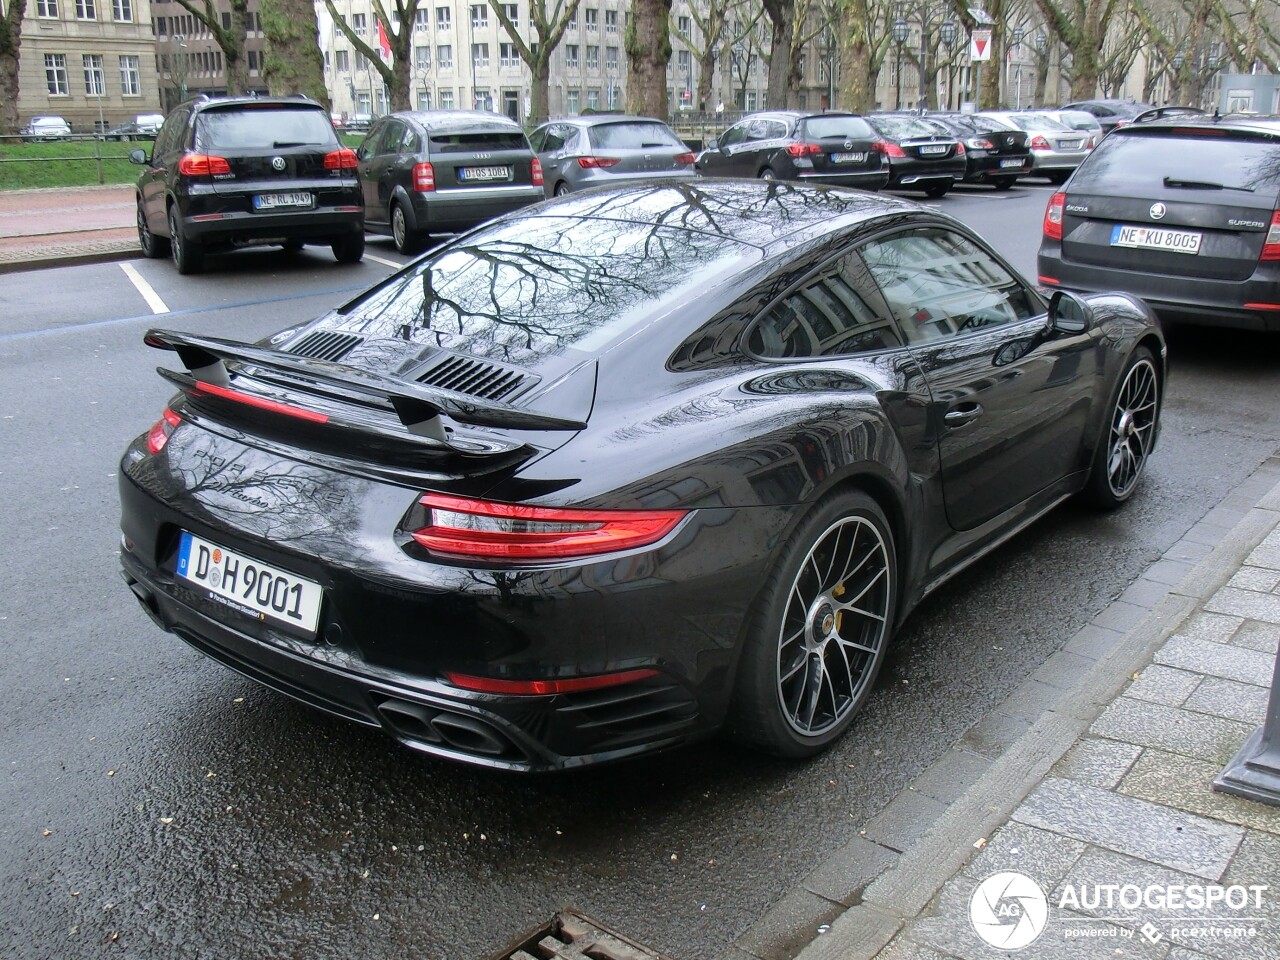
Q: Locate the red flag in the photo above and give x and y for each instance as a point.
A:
(384, 44)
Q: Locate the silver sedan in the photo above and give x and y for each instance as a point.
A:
(581, 152)
(1056, 149)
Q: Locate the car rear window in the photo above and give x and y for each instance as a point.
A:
(265, 127)
(821, 127)
(478, 140)
(1140, 161)
(903, 128)
(1035, 121)
(633, 136)
(536, 285)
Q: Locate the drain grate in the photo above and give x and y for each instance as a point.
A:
(571, 936)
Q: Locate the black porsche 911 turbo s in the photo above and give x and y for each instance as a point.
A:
(626, 468)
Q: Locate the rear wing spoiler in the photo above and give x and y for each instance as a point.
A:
(418, 406)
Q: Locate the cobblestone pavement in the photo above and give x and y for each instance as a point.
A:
(62, 227)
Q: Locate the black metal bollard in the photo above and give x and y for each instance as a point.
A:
(1254, 772)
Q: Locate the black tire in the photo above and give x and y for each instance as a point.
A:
(562, 189)
(1004, 183)
(1133, 418)
(405, 239)
(936, 190)
(768, 174)
(153, 247)
(349, 249)
(809, 660)
(188, 257)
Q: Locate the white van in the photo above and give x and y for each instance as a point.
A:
(46, 128)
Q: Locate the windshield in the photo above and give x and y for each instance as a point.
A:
(633, 136)
(1035, 121)
(1141, 162)
(537, 285)
(263, 128)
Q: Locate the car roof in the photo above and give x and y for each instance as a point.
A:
(598, 119)
(441, 120)
(1234, 122)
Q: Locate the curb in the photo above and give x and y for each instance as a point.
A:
(863, 924)
(122, 252)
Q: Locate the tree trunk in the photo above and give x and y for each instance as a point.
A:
(10, 45)
(784, 61)
(858, 77)
(540, 87)
(292, 61)
(706, 74)
(233, 48)
(648, 45)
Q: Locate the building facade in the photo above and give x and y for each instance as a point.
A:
(90, 61)
(188, 61)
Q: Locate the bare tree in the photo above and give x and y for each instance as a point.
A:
(711, 18)
(1082, 27)
(230, 39)
(648, 45)
(396, 76)
(10, 44)
(1119, 52)
(548, 27)
(784, 54)
(292, 62)
(865, 40)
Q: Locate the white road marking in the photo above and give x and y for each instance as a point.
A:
(389, 263)
(148, 294)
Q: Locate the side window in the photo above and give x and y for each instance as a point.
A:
(756, 130)
(938, 283)
(389, 142)
(369, 145)
(167, 140)
(735, 134)
(409, 143)
(826, 317)
(777, 130)
(536, 138)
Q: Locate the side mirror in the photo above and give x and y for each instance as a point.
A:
(1069, 313)
(138, 155)
(713, 144)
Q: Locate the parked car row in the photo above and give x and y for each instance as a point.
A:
(142, 127)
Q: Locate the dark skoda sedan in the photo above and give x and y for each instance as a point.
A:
(627, 468)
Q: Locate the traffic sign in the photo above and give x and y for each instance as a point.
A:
(980, 45)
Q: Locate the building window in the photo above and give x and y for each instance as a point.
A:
(611, 21)
(95, 84)
(573, 20)
(684, 25)
(593, 98)
(571, 55)
(421, 21)
(683, 60)
(480, 55)
(55, 74)
(422, 57)
(444, 56)
(424, 99)
(130, 77)
(510, 56)
(593, 18)
(362, 104)
(444, 18)
(358, 24)
(47, 9)
(446, 99)
(342, 61)
(613, 95)
(611, 58)
(573, 102)
(512, 11)
(86, 10)
(253, 60)
(122, 11)
(751, 100)
(479, 16)
(593, 57)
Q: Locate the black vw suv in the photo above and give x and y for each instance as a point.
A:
(247, 171)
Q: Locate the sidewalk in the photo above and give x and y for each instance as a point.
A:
(43, 228)
(1078, 820)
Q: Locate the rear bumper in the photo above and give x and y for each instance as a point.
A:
(211, 218)
(905, 173)
(461, 208)
(1219, 303)
(985, 168)
(862, 179)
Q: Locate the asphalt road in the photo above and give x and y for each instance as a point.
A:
(157, 805)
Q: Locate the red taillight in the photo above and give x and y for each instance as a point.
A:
(959, 149)
(344, 159)
(803, 149)
(262, 403)
(158, 435)
(424, 177)
(202, 165)
(684, 159)
(1271, 246)
(536, 171)
(977, 143)
(1091, 144)
(888, 149)
(594, 163)
(1040, 143)
(1053, 216)
(463, 527)
(547, 687)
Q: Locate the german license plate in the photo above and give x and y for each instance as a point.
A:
(1156, 238)
(848, 157)
(1012, 162)
(276, 201)
(1070, 144)
(933, 150)
(484, 173)
(256, 589)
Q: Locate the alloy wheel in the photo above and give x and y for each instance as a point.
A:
(399, 229)
(834, 626)
(1132, 428)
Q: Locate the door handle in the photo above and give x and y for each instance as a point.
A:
(960, 415)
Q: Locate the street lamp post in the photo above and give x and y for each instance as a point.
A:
(948, 33)
(1041, 42)
(900, 33)
(1018, 34)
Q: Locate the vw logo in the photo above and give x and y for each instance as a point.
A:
(848, 144)
(1157, 211)
(277, 163)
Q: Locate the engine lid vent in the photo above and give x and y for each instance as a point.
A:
(326, 345)
(479, 378)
